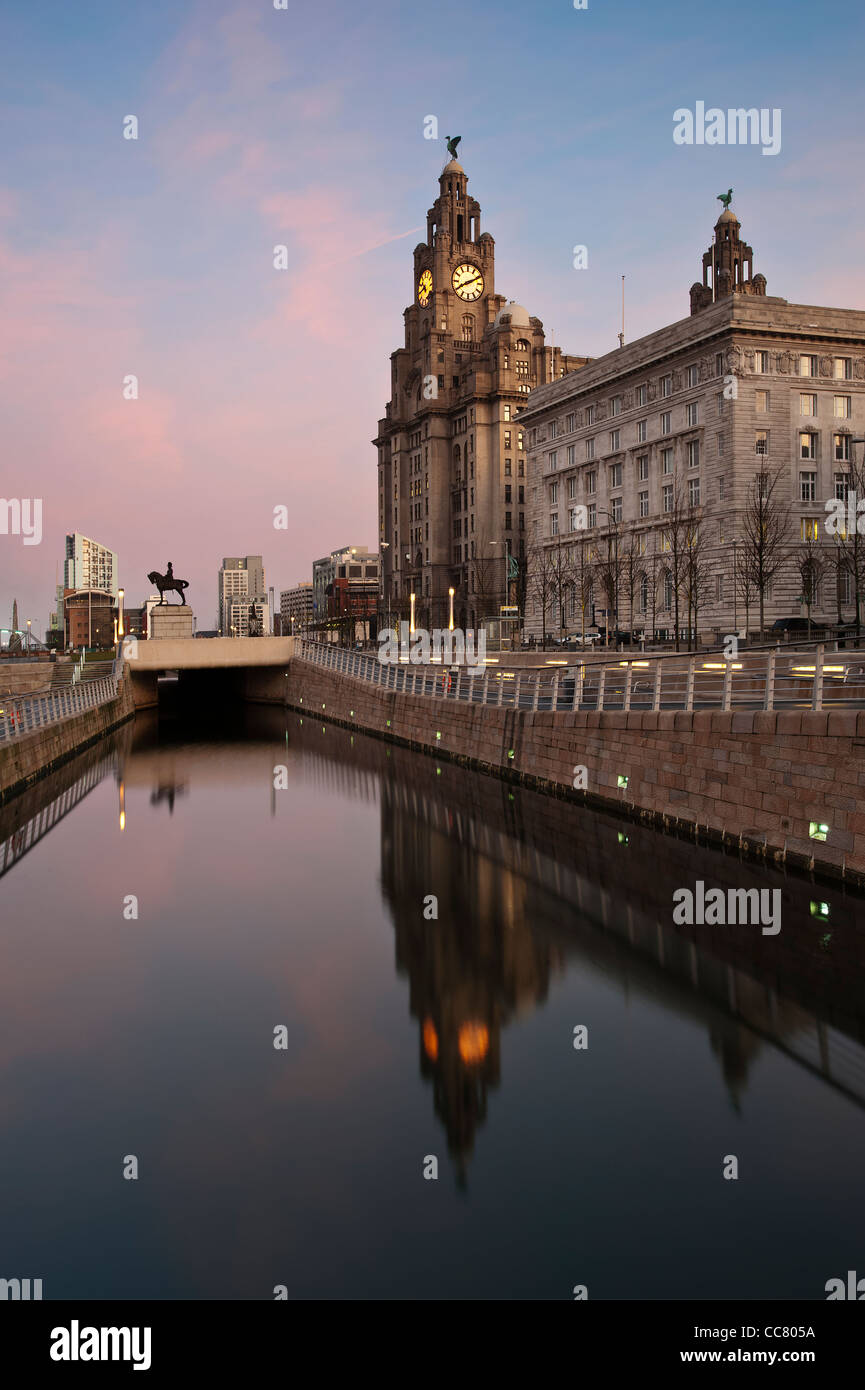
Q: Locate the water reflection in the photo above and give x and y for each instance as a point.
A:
(306, 907)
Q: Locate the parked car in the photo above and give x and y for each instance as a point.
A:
(790, 625)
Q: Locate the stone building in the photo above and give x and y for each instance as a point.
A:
(295, 607)
(451, 460)
(747, 384)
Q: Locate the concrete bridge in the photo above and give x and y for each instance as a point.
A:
(252, 667)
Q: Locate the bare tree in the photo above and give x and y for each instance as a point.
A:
(697, 578)
(540, 580)
(851, 545)
(811, 565)
(584, 583)
(765, 527)
(633, 569)
(608, 568)
(742, 584)
(677, 525)
(562, 580)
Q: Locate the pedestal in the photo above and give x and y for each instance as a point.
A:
(171, 620)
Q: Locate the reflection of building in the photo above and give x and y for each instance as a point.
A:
(469, 972)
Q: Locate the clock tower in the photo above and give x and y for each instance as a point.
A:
(451, 459)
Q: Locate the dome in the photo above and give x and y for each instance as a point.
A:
(514, 315)
(727, 216)
(453, 168)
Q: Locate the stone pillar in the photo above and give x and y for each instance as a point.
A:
(170, 621)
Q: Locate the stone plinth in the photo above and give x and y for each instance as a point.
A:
(173, 620)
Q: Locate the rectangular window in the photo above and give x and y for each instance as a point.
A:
(591, 481)
(842, 447)
(807, 404)
(761, 443)
(570, 422)
(668, 497)
(616, 509)
(507, 412)
(666, 460)
(842, 487)
(554, 492)
(761, 362)
(643, 467)
(720, 399)
(554, 429)
(521, 495)
(694, 492)
(507, 439)
(644, 504)
(572, 455)
(616, 475)
(521, 468)
(720, 444)
(592, 514)
(691, 414)
(719, 588)
(694, 453)
(843, 368)
(508, 468)
(614, 441)
(666, 386)
(553, 461)
(692, 376)
(808, 487)
(554, 523)
(666, 419)
(616, 405)
(808, 365)
(590, 414)
(719, 364)
(642, 395)
(642, 427)
(572, 488)
(721, 488)
(521, 439)
(761, 402)
(507, 492)
(841, 407)
(807, 446)
(522, 526)
(642, 545)
(507, 521)
(590, 448)
(810, 528)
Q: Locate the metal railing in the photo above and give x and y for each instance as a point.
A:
(767, 680)
(21, 714)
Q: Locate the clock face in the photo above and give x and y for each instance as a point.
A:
(468, 281)
(424, 288)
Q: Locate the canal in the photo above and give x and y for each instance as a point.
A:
(284, 972)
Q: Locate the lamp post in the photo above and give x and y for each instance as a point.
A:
(411, 623)
(857, 439)
(735, 588)
(120, 629)
(28, 634)
(451, 619)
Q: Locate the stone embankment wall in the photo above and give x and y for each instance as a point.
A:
(752, 779)
(24, 760)
(20, 677)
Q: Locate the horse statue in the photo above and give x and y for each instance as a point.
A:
(166, 582)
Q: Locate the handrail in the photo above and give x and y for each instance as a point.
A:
(25, 713)
(774, 679)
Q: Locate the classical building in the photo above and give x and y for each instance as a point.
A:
(295, 607)
(687, 419)
(451, 460)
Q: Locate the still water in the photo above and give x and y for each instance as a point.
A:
(406, 1038)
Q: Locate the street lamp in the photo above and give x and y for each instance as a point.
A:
(411, 624)
(28, 634)
(120, 628)
(451, 621)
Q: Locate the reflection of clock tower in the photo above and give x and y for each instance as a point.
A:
(451, 462)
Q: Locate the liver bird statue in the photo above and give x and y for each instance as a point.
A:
(726, 198)
(453, 141)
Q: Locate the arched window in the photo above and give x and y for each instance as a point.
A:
(522, 345)
(668, 589)
(457, 454)
(468, 328)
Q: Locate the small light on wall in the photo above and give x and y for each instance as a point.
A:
(817, 830)
(510, 752)
(438, 734)
(322, 704)
(819, 909)
(623, 839)
(438, 772)
(622, 781)
(388, 723)
(351, 712)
